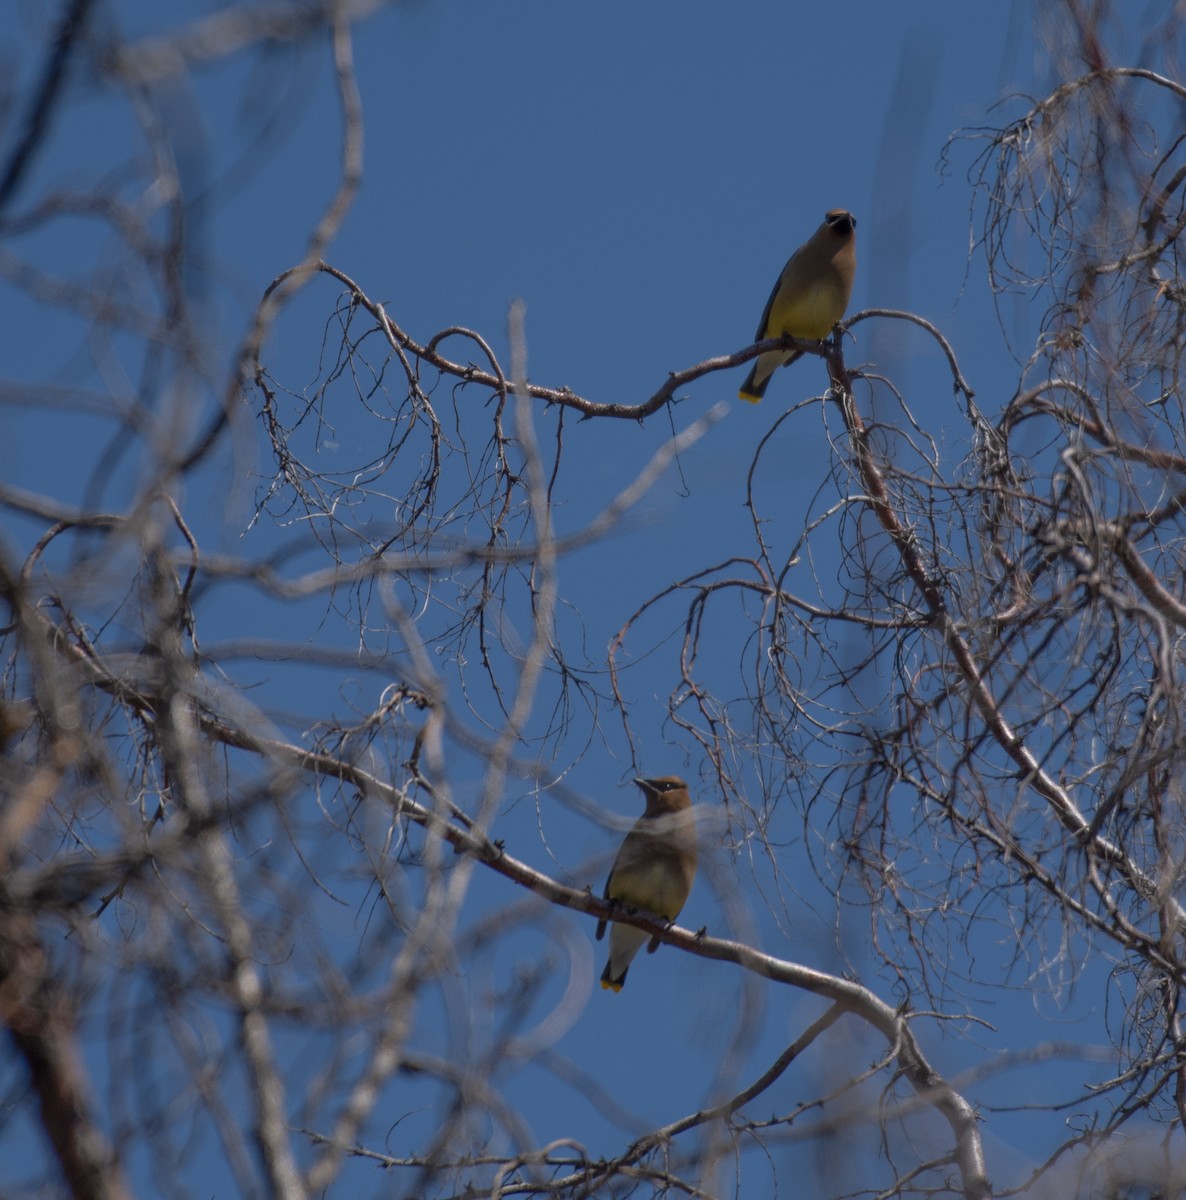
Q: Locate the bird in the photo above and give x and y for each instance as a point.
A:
(809, 298)
(653, 870)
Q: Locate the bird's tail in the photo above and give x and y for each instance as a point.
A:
(754, 388)
(751, 390)
(609, 982)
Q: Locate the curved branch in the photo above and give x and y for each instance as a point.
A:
(934, 598)
(468, 373)
(895, 314)
(286, 757)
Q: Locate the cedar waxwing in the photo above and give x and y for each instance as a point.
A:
(653, 870)
(809, 298)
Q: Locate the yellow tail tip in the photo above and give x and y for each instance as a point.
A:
(748, 398)
(609, 986)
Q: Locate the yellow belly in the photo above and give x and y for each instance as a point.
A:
(655, 886)
(810, 314)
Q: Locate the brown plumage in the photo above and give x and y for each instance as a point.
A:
(809, 298)
(653, 870)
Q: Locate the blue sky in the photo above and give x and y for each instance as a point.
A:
(636, 174)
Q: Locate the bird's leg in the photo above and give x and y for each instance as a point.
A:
(654, 943)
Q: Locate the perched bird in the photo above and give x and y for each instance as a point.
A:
(653, 870)
(809, 298)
